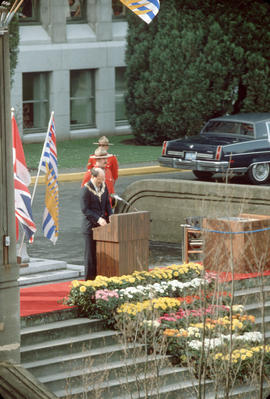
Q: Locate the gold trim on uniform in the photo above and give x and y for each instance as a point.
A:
(93, 191)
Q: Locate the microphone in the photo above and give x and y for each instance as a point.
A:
(118, 198)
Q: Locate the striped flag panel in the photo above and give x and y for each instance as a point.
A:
(50, 223)
(23, 208)
(145, 9)
(22, 178)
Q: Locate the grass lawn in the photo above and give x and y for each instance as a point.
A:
(75, 153)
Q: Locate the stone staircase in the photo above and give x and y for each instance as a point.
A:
(251, 298)
(72, 355)
(43, 271)
(80, 358)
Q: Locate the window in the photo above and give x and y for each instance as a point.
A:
(35, 102)
(120, 91)
(82, 98)
(75, 10)
(229, 127)
(29, 11)
(118, 9)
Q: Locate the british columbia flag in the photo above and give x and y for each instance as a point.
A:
(50, 224)
(22, 178)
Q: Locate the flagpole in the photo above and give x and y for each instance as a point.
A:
(40, 162)
(12, 113)
(38, 173)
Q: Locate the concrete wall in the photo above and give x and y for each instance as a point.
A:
(171, 201)
(57, 47)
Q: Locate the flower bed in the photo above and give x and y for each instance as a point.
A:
(103, 295)
(186, 307)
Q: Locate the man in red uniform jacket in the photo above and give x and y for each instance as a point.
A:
(112, 162)
(101, 159)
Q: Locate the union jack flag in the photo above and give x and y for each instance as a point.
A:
(50, 223)
(145, 9)
(22, 178)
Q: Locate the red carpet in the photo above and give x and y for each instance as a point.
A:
(227, 276)
(46, 298)
(43, 298)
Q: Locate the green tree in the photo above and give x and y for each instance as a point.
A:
(195, 61)
(13, 29)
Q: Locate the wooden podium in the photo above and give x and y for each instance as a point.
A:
(247, 252)
(123, 244)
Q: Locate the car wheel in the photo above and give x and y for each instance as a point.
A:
(259, 173)
(202, 175)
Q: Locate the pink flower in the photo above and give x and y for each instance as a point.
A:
(173, 317)
(105, 295)
(209, 276)
(168, 318)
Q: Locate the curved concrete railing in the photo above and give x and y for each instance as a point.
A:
(171, 201)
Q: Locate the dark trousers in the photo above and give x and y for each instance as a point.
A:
(90, 263)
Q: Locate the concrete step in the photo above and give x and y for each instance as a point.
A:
(41, 271)
(247, 391)
(58, 330)
(250, 295)
(53, 356)
(37, 265)
(47, 277)
(109, 372)
(187, 391)
(98, 355)
(132, 385)
(258, 323)
(255, 308)
(50, 317)
(180, 389)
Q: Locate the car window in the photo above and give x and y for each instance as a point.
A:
(229, 127)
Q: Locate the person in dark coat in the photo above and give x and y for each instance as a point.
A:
(96, 209)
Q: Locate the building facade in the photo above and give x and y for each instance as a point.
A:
(71, 61)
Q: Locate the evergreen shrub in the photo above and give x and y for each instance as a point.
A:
(196, 60)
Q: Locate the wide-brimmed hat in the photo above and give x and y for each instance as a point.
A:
(100, 153)
(103, 140)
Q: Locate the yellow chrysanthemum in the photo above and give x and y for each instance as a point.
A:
(218, 356)
(157, 303)
(256, 349)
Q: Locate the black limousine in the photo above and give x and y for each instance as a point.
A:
(232, 144)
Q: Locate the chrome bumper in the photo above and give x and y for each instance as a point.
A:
(208, 166)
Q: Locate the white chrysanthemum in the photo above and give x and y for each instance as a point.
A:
(254, 336)
(193, 331)
(238, 308)
(213, 343)
(195, 345)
